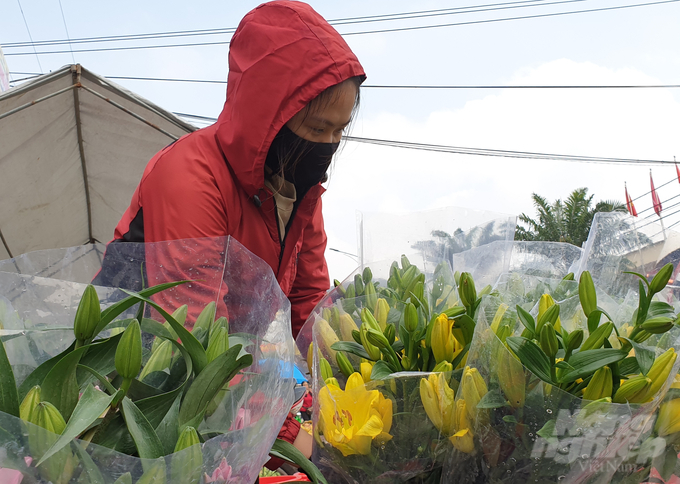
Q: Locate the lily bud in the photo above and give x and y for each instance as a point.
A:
(444, 366)
(154, 473)
(27, 407)
(660, 370)
(367, 275)
(366, 370)
(545, 303)
(356, 336)
(372, 350)
(344, 364)
(633, 390)
(390, 333)
(498, 317)
(405, 362)
(600, 385)
(326, 337)
(347, 325)
(511, 378)
(410, 317)
(442, 339)
(47, 416)
(332, 381)
(370, 296)
(668, 421)
(575, 339)
(462, 439)
(218, 344)
(658, 325)
(408, 277)
(377, 338)
(586, 293)
(466, 289)
(358, 285)
(128, 357)
(438, 402)
(326, 370)
(204, 321)
(548, 340)
(382, 309)
(88, 315)
(474, 388)
(160, 359)
(597, 337)
(187, 461)
(661, 279)
(368, 318)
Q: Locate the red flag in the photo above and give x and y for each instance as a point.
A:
(630, 206)
(678, 171)
(655, 197)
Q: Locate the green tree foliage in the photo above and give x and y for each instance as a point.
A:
(564, 221)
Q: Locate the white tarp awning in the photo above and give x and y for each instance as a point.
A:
(73, 147)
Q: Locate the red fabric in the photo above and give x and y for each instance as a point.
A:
(289, 432)
(282, 56)
(307, 401)
(655, 197)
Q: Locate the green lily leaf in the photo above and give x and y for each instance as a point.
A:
(38, 375)
(9, 397)
(466, 325)
(206, 385)
(90, 406)
(531, 356)
(381, 370)
(351, 347)
(99, 358)
(286, 451)
(189, 341)
(100, 378)
(643, 355)
(587, 362)
(110, 313)
(148, 444)
(60, 386)
(168, 429)
(526, 319)
(629, 366)
(91, 473)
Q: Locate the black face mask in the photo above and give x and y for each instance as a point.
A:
(305, 162)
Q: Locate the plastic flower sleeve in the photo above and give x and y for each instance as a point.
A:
(526, 430)
(370, 430)
(431, 236)
(239, 425)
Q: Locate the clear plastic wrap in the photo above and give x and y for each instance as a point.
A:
(39, 295)
(430, 236)
(526, 430)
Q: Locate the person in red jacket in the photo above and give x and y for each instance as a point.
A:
(256, 174)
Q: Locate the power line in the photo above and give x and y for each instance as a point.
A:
(29, 34)
(474, 22)
(67, 34)
(386, 86)
(479, 151)
(340, 21)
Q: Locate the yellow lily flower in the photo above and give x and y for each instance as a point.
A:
(352, 418)
(438, 400)
(366, 370)
(668, 421)
(474, 388)
(463, 438)
(442, 339)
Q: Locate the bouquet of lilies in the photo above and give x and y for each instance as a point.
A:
(121, 392)
(533, 380)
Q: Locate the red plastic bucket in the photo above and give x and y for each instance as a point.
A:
(298, 477)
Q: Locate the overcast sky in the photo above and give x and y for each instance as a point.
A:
(631, 46)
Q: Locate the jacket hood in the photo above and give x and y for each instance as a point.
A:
(282, 56)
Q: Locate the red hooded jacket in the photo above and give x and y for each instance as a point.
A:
(210, 183)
